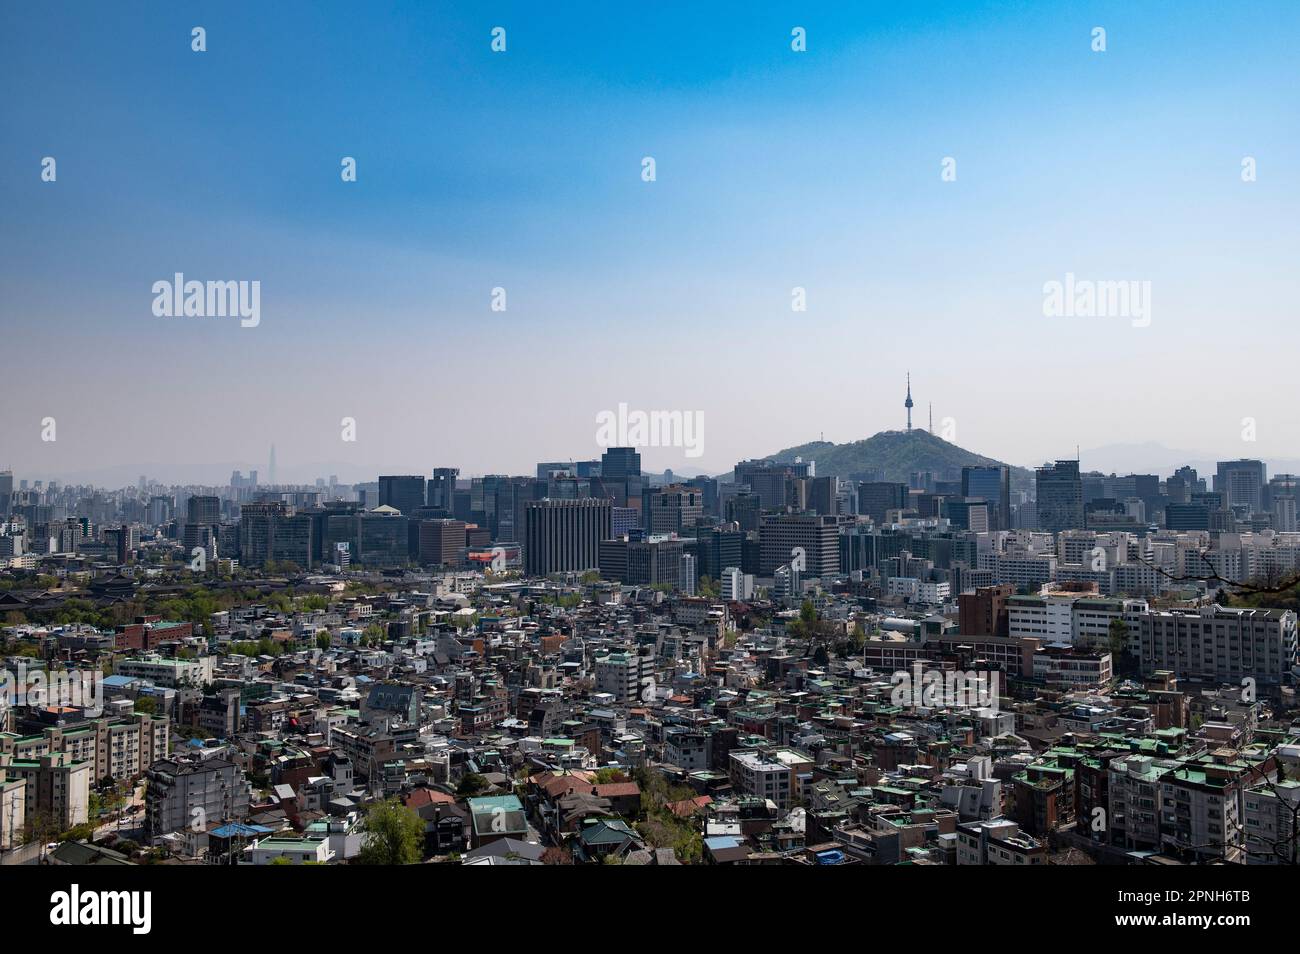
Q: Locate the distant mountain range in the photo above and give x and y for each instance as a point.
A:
(892, 456)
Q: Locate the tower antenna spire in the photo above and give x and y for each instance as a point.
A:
(908, 403)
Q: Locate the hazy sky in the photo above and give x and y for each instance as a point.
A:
(522, 169)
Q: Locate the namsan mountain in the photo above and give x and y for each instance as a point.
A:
(893, 456)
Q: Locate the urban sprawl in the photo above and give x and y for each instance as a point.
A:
(591, 664)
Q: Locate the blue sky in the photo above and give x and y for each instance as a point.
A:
(522, 170)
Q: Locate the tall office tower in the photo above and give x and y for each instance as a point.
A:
(672, 509)
(717, 548)
(744, 509)
(642, 562)
(709, 486)
(993, 483)
(483, 501)
(620, 463)
(159, 510)
(967, 513)
(382, 537)
(6, 491)
(126, 538)
(270, 471)
(442, 485)
(822, 495)
(203, 511)
(404, 493)
(202, 517)
(1176, 490)
(816, 535)
(1285, 485)
(688, 575)
(620, 477)
(1194, 483)
(332, 524)
(1284, 513)
(564, 535)
(1242, 483)
(1187, 516)
(1060, 496)
(437, 542)
(272, 531)
(513, 494)
(768, 479)
(875, 498)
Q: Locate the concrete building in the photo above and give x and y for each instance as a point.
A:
(194, 790)
(55, 787)
(1215, 643)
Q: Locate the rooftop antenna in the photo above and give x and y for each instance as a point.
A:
(932, 418)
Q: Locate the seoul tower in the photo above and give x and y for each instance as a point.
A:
(908, 403)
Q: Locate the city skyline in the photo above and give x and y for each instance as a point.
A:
(443, 434)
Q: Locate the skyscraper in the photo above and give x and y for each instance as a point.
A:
(564, 535)
(993, 483)
(404, 493)
(620, 463)
(442, 486)
(1060, 496)
(672, 509)
(272, 531)
(1242, 483)
(876, 498)
(204, 510)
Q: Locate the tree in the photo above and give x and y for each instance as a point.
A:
(394, 835)
(146, 705)
(323, 641)
(1118, 634)
(807, 613)
(472, 784)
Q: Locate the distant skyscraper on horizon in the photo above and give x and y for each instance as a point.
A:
(1242, 483)
(270, 470)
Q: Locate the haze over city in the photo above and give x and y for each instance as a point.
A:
(820, 171)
